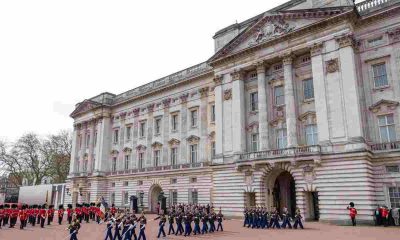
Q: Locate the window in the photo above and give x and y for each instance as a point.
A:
(193, 196)
(279, 96)
(140, 160)
(140, 183)
(308, 89)
(112, 198)
(114, 164)
(126, 163)
(87, 140)
(85, 165)
(128, 133)
(95, 139)
(157, 126)
(278, 67)
(213, 151)
(77, 165)
(281, 138)
(253, 76)
(193, 180)
(254, 142)
(311, 134)
(113, 184)
(193, 118)
(212, 113)
(126, 198)
(174, 156)
(156, 158)
(387, 128)
(174, 122)
(174, 197)
(93, 162)
(142, 129)
(254, 101)
(394, 195)
(375, 42)
(174, 180)
(193, 153)
(80, 141)
(126, 183)
(306, 59)
(379, 75)
(392, 169)
(116, 136)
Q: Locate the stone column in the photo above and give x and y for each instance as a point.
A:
(72, 164)
(83, 146)
(135, 136)
(238, 113)
(320, 92)
(103, 152)
(203, 124)
(165, 130)
(219, 122)
(290, 107)
(149, 159)
(184, 128)
(350, 91)
(91, 145)
(262, 107)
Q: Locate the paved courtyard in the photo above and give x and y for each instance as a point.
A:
(233, 230)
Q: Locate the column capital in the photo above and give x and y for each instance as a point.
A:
(218, 80)
(204, 92)
(346, 41)
(287, 58)
(237, 74)
(316, 49)
(260, 66)
(166, 102)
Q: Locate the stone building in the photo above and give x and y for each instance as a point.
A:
(298, 107)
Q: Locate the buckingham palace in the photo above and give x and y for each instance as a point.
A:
(298, 107)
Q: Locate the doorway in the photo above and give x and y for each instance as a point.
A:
(284, 192)
(250, 199)
(154, 198)
(312, 206)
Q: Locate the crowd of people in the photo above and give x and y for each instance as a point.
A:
(387, 217)
(260, 217)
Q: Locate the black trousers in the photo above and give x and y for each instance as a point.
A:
(69, 219)
(22, 224)
(60, 220)
(353, 221)
(5, 220)
(42, 220)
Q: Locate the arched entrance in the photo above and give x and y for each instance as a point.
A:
(154, 194)
(281, 190)
(284, 192)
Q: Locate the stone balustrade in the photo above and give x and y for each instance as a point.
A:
(368, 6)
(285, 152)
(385, 146)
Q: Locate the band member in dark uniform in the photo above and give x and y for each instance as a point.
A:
(171, 222)
(196, 219)
(143, 221)
(274, 219)
(73, 229)
(161, 224)
(286, 218)
(220, 217)
(298, 218)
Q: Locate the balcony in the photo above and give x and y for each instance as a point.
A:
(279, 153)
(160, 169)
(390, 146)
(369, 6)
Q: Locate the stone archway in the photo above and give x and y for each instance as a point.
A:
(280, 189)
(154, 193)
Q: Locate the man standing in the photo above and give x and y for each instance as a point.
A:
(69, 213)
(13, 215)
(22, 217)
(352, 213)
(60, 213)
(385, 216)
(286, 218)
(6, 214)
(219, 220)
(50, 214)
(1, 214)
(42, 215)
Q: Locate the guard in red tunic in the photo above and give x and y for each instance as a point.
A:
(85, 212)
(6, 214)
(385, 216)
(78, 212)
(23, 216)
(42, 215)
(352, 213)
(35, 213)
(60, 213)
(70, 211)
(38, 214)
(98, 213)
(1, 214)
(50, 214)
(13, 215)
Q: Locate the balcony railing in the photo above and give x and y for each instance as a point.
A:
(368, 6)
(160, 168)
(285, 152)
(385, 146)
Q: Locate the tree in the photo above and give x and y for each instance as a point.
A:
(33, 158)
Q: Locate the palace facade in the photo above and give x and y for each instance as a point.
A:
(298, 107)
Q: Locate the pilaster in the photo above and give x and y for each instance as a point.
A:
(219, 129)
(290, 107)
(238, 112)
(203, 123)
(165, 129)
(184, 128)
(262, 107)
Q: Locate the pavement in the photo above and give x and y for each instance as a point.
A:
(233, 229)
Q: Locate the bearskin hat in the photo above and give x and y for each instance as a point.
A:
(69, 205)
(113, 205)
(51, 206)
(35, 206)
(1, 206)
(351, 204)
(92, 204)
(99, 205)
(39, 207)
(44, 206)
(14, 206)
(60, 206)
(6, 205)
(23, 207)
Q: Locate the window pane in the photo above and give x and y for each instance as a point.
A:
(392, 133)
(384, 135)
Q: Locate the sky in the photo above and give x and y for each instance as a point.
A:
(54, 54)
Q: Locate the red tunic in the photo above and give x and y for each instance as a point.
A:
(78, 211)
(85, 210)
(2, 213)
(14, 213)
(69, 212)
(385, 213)
(42, 213)
(50, 212)
(23, 215)
(113, 210)
(60, 212)
(353, 212)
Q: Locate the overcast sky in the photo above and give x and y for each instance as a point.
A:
(54, 54)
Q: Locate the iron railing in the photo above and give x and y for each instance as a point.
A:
(285, 152)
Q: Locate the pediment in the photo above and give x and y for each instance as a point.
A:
(193, 139)
(141, 147)
(173, 142)
(156, 145)
(127, 150)
(304, 116)
(383, 103)
(273, 26)
(85, 106)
